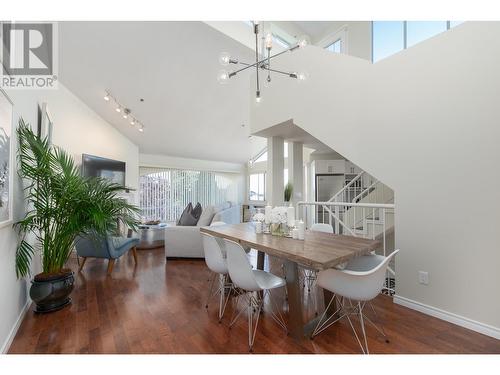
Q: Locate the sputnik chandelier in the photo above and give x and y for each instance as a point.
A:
(262, 62)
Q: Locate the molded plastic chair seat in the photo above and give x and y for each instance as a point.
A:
(267, 280)
(362, 281)
(364, 263)
(322, 227)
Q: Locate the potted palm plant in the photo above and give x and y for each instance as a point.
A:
(61, 205)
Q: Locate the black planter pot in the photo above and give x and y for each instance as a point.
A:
(52, 293)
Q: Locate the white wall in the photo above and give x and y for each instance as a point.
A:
(78, 130)
(420, 121)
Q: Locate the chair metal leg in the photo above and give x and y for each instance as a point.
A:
(332, 319)
(224, 296)
(380, 328)
(236, 313)
(276, 315)
(355, 334)
(363, 325)
(254, 302)
(212, 282)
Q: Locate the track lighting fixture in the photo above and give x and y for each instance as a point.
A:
(127, 112)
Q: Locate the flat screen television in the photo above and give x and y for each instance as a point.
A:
(112, 170)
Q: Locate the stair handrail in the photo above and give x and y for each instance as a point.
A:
(365, 190)
(341, 191)
(341, 204)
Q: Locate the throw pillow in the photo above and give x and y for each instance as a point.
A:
(197, 210)
(190, 215)
(206, 216)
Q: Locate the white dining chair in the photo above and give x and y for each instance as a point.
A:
(361, 282)
(216, 262)
(322, 227)
(256, 284)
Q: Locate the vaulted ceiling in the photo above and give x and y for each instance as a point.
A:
(172, 66)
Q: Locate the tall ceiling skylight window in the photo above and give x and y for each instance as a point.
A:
(418, 31)
(335, 47)
(388, 38)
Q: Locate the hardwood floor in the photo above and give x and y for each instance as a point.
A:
(158, 307)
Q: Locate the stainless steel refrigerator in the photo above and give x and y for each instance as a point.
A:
(327, 185)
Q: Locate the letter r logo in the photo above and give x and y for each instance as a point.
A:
(27, 48)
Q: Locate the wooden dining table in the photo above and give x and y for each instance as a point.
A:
(318, 251)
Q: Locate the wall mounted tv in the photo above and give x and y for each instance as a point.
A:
(95, 166)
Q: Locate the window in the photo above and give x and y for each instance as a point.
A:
(285, 176)
(388, 39)
(165, 192)
(418, 31)
(335, 46)
(257, 187)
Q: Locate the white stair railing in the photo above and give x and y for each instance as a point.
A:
(344, 194)
(376, 220)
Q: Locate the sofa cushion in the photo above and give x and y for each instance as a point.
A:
(190, 215)
(207, 216)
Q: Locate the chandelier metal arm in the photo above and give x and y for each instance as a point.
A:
(263, 60)
(292, 74)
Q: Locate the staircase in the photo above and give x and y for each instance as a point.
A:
(362, 208)
(359, 220)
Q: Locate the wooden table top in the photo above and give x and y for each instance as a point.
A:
(317, 251)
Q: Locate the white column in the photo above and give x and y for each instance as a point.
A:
(275, 167)
(296, 170)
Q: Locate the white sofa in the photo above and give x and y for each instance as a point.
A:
(185, 241)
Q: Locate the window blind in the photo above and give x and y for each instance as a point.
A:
(165, 192)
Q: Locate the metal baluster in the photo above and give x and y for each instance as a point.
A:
(373, 223)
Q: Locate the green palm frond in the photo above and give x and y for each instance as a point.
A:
(24, 254)
(61, 203)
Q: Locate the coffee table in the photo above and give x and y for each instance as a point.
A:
(151, 236)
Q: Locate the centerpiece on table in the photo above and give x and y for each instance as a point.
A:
(279, 220)
(259, 219)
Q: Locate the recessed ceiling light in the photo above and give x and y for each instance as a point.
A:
(106, 97)
(118, 109)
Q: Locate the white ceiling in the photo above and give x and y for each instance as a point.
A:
(173, 66)
(317, 30)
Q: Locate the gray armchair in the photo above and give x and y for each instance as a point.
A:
(110, 248)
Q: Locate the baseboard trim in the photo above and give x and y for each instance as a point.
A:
(473, 325)
(13, 331)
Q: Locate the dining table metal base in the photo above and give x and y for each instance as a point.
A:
(296, 325)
